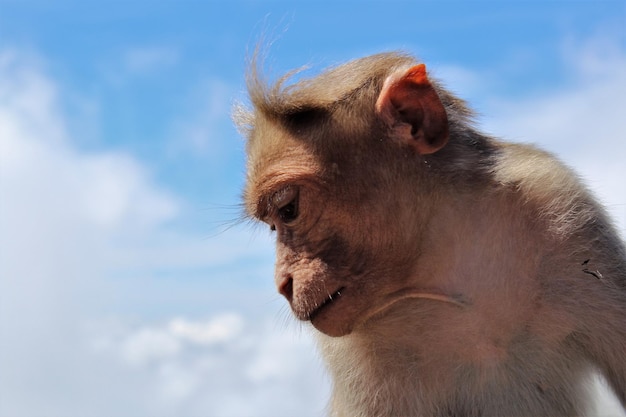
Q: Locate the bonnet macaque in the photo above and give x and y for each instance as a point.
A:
(448, 273)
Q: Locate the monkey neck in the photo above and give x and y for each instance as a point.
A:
(458, 314)
(469, 269)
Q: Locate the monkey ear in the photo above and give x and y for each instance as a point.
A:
(410, 106)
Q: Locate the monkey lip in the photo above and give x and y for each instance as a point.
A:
(331, 299)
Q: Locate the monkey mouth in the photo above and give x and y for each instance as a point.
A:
(331, 299)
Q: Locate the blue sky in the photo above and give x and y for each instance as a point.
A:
(121, 293)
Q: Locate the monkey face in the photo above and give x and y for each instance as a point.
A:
(336, 251)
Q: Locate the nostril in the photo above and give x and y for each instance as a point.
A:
(286, 288)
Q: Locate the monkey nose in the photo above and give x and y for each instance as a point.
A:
(286, 288)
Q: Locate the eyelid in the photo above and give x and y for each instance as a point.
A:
(284, 196)
(268, 205)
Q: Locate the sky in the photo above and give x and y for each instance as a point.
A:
(127, 288)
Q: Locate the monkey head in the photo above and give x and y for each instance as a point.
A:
(337, 169)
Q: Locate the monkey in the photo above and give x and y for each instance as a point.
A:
(446, 272)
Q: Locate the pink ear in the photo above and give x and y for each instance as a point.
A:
(410, 106)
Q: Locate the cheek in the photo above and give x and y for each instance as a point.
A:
(302, 276)
(342, 257)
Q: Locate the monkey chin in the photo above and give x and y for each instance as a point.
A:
(330, 326)
(334, 317)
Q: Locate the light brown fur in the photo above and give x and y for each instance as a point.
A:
(449, 273)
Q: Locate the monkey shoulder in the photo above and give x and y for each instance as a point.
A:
(534, 171)
(546, 187)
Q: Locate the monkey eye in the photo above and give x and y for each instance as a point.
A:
(286, 202)
(289, 212)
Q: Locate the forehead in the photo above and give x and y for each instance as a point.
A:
(275, 158)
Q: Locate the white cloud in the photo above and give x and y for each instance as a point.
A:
(29, 97)
(219, 330)
(150, 345)
(38, 162)
(226, 365)
(56, 220)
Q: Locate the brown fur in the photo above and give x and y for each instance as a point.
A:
(475, 279)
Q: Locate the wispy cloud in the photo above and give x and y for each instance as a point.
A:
(203, 123)
(148, 59)
(125, 67)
